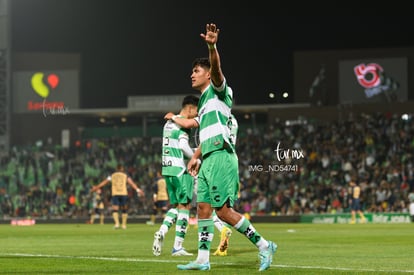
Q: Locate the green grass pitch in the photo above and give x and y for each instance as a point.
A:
(303, 249)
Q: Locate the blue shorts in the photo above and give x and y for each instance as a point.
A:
(161, 204)
(355, 205)
(119, 200)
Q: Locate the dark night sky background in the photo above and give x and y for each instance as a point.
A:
(142, 47)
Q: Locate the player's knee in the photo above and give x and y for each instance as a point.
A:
(204, 210)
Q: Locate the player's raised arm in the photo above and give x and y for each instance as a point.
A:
(211, 38)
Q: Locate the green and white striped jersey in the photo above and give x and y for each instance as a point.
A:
(173, 158)
(214, 109)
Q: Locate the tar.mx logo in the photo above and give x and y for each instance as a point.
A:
(283, 154)
(284, 163)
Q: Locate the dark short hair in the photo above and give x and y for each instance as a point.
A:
(202, 62)
(190, 100)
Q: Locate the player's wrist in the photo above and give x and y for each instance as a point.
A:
(211, 46)
(138, 190)
(174, 117)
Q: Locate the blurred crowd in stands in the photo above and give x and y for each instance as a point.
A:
(285, 169)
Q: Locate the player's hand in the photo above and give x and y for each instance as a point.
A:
(168, 116)
(211, 35)
(140, 193)
(193, 166)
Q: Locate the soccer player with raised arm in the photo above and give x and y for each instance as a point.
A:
(218, 175)
(223, 228)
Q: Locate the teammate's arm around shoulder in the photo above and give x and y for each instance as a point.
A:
(182, 121)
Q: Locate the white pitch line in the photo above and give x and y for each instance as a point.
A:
(169, 261)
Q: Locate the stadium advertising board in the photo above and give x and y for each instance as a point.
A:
(346, 218)
(151, 103)
(378, 80)
(45, 91)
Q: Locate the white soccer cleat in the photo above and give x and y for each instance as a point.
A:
(181, 252)
(157, 244)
